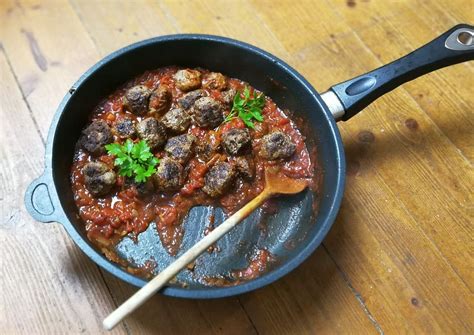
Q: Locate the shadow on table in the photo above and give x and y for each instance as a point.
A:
(292, 304)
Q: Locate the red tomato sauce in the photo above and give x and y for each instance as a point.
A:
(123, 212)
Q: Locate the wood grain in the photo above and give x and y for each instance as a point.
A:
(402, 170)
(399, 257)
(45, 277)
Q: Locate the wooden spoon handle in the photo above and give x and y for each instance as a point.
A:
(174, 268)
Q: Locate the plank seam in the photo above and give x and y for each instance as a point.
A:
(169, 16)
(127, 329)
(356, 293)
(248, 316)
(75, 11)
(17, 82)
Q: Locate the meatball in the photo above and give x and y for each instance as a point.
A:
(187, 100)
(218, 179)
(228, 96)
(98, 178)
(136, 99)
(206, 150)
(152, 131)
(207, 113)
(276, 145)
(245, 167)
(169, 175)
(236, 141)
(176, 120)
(180, 147)
(160, 100)
(96, 136)
(187, 80)
(124, 128)
(215, 81)
(143, 189)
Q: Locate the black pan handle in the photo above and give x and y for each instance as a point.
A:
(348, 98)
(38, 201)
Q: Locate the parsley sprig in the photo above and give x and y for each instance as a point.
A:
(247, 108)
(133, 159)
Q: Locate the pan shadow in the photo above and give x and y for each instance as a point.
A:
(159, 315)
(303, 297)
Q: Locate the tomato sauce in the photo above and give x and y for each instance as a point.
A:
(123, 212)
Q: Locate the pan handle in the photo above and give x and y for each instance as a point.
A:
(38, 201)
(348, 98)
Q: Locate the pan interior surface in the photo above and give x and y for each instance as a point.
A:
(291, 234)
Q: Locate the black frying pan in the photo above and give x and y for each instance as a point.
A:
(49, 198)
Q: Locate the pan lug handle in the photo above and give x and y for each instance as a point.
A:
(38, 201)
(346, 99)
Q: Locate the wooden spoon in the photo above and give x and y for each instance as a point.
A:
(275, 183)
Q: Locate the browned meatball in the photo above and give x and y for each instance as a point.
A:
(152, 131)
(180, 147)
(143, 189)
(98, 178)
(160, 100)
(187, 80)
(169, 175)
(187, 100)
(176, 120)
(228, 96)
(95, 137)
(276, 145)
(245, 167)
(124, 128)
(206, 150)
(207, 113)
(136, 99)
(236, 141)
(218, 179)
(215, 81)
(208, 146)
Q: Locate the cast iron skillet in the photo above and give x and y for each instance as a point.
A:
(296, 230)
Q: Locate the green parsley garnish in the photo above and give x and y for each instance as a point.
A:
(247, 108)
(133, 159)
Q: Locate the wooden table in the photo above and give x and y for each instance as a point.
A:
(399, 258)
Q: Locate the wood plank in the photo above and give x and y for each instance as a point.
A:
(401, 179)
(239, 22)
(312, 299)
(297, 24)
(360, 14)
(45, 278)
(49, 49)
(165, 315)
(111, 29)
(438, 13)
(449, 115)
(446, 101)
